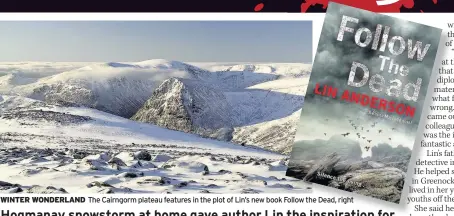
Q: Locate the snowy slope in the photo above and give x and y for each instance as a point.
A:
(84, 150)
(231, 76)
(14, 74)
(268, 101)
(264, 115)
(284, 69)
(100, 125)
(275, 114)
(9, 81)
(247, 103)
(117, 88)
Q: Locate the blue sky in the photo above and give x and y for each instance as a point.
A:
(190, 41)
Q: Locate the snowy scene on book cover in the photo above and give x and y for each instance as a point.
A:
(363, 103)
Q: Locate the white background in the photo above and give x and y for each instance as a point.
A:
(360, 203)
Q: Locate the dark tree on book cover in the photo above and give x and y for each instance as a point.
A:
(364, 102)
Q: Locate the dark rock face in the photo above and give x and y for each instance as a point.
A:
(189, 106)
(168, 112)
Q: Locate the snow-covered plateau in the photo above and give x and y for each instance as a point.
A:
(156, 126)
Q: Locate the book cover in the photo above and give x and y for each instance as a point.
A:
(363, 103)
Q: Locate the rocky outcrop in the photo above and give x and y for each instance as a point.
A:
(326, 165)
(369, 179)
(187, 166)
(384, 183)
(381, 176)
(189, 106)
(36, 189)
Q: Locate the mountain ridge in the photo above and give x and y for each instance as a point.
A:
(248, 97)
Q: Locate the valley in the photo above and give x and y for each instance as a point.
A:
(156, 126)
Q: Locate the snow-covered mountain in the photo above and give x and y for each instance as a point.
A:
(56, 149)
(117, 88)
(263, 115)
(273, 113)
(189, 106)
(231, 77)
(282, 69)
(247, 103)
